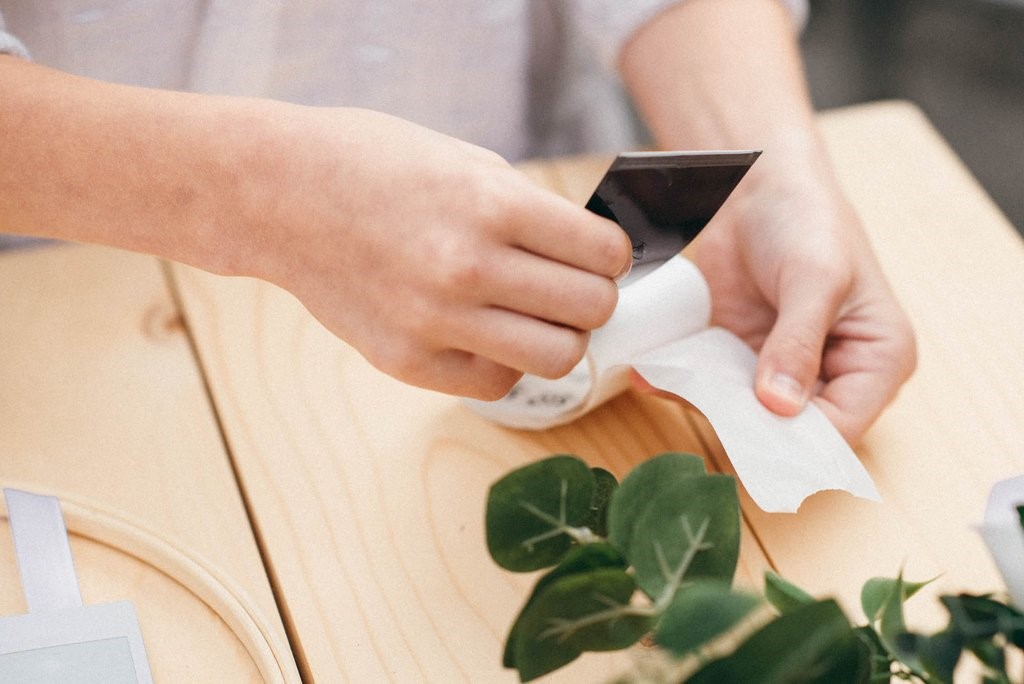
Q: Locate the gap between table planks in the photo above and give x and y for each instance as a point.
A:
(102, 404)
(367, 495)
(957, 266)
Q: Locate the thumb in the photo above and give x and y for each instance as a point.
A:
(790, 359)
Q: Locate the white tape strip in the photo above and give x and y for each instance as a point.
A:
(660, 328)
(47, 569)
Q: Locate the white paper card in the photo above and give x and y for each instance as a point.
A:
(104, 661)
(60, 640)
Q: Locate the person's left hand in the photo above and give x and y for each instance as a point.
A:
(791, 273)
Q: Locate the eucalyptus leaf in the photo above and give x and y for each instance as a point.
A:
(645, 482)
(700, 613)
(691, 531)
(982, 617)
(812, 643)
(605, 486)
(579, 559)
(534, 512)
(937, 654)
(889, 616)
(783, 594)
(877, 590)
(579, 612)
(992, 657)
(878, 656)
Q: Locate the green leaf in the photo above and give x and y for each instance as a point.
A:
(645, 482)
(990, 655)
(605, 485)
(890, 614)
(579, 560)
(689, 532)
(884, 598)
(534, 513)
(1020, 515)
(812, 643)
(982, 617)
(783, 594)
(937, 655)
(700, 613)
(579, 612)
(993, 657)
(877, 590)
(876, 654)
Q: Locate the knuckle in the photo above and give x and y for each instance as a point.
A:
(458, 267)
(491, 157)
(904, 350)
(487, 200)
(417, 322)
(400, 360)
(832, 276)
(800, 349)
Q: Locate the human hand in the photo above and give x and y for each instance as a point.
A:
(791, 273)
(436, 260)
(441, 264)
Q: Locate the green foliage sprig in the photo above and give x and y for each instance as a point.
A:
(656, 555)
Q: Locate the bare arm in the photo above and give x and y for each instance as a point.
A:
(441, 264)
(789, 266)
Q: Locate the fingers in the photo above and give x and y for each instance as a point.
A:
(521, 342)
(856, 364)
(462, 374)
(789, 363)
(556, 229)
(503, 345)
(863, 373)
(853, 402)
(548, 290)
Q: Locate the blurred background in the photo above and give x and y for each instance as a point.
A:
(961, 61)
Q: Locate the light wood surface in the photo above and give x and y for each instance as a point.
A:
(102, 404)
(368, 495)
(957, 266)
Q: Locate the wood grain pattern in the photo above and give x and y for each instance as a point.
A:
(368, 494)
(957, 266)
(101, 400)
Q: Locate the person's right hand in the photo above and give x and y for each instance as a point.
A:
(440, 263)
(435, 259)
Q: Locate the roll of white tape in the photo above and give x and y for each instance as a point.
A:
(660, 329)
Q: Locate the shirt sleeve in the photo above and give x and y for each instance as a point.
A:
(606, 25)
(9, 45)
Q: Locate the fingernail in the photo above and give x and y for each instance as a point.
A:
(625, 270)
(787, 388)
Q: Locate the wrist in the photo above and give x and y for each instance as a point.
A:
(247, 146)
(793, 161)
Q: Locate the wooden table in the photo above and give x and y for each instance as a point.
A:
(274, 505)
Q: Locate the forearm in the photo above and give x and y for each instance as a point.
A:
(788, 264)
(152, 171)
(722, 74)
